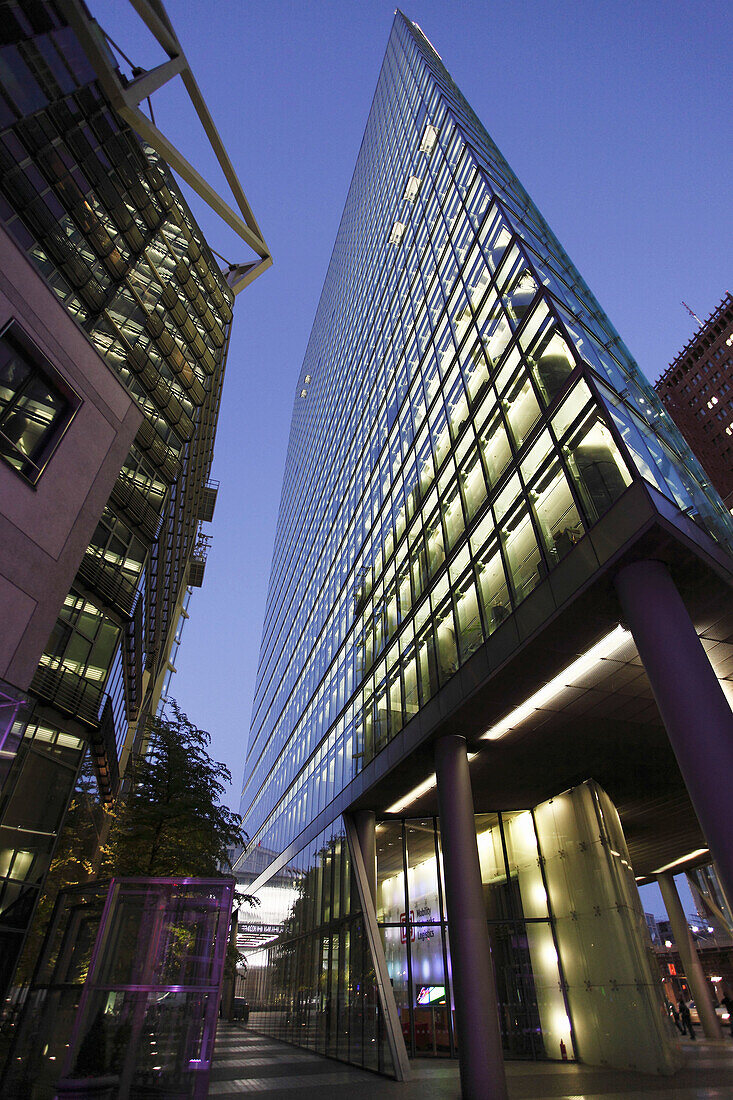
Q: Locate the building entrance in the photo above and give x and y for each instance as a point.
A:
(412, 920)
(574, 974)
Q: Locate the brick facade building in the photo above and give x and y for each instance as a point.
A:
(697, 389)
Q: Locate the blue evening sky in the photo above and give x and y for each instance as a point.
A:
(615, 116)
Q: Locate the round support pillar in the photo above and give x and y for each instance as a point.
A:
(690, 959)
(480, 1054)
(365, 823)
(691, 702)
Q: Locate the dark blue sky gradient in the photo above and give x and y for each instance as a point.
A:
(615, 116)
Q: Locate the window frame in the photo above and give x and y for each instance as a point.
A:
(13, 333)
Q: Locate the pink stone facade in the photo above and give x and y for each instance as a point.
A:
(45, 528)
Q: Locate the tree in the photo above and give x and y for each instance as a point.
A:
(168, 823)
(171, 821)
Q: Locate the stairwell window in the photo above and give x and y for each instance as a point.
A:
(396, 235)
(413, 186)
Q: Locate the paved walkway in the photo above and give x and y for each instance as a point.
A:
(247, 1063)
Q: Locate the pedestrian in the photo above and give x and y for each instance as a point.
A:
(686, 1019)
(728, 1002)
(675, 1016)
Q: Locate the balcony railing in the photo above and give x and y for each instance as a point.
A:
(104, 752)
(208, 501)
(114, 587)
(135, 505)
(72, 694)
(197, 561)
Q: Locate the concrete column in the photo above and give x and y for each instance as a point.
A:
(480, 1054)
(690, 959)
(691, 702)
(364, 820)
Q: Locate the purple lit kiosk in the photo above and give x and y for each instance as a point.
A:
(146, 1022)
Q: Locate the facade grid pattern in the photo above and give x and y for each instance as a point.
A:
(464, 414)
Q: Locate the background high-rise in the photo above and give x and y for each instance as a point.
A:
(697, 390)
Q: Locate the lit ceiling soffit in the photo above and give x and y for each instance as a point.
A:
(689, 859)
(126, 97)
(565, 679)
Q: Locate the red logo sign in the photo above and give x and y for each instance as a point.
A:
(403, 927)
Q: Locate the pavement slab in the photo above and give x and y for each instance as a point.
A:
(248, 1064)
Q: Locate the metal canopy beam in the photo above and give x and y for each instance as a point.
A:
(144, 86)
(125, 98)
(171, 155)
(241, 275)
(222, 156)
(155, 18)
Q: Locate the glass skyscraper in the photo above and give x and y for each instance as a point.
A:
(473, 453)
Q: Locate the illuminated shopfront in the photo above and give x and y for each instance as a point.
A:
(411, 915)
(562, 912)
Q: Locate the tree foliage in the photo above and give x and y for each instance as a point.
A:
(171, 821)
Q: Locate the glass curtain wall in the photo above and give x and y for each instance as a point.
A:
(575, 975)
(411, 915)
(464, 416)
(314, 984)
